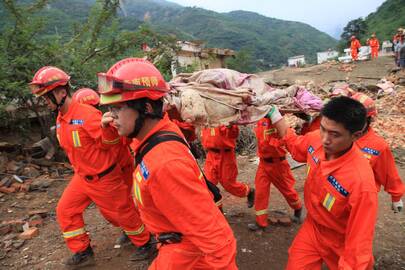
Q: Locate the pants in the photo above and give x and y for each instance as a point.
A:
(308, 251)
(374, 52)
(355, 55)
(110, 194)
(222, 167)
(279, 174)
(185, 257)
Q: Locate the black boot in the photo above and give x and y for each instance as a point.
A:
(81, 259)
(145, 252)
(122, 239)
(298, 216)
(255, 227)
(251, 198)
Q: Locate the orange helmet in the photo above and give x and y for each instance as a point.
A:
(86, 96)
(48, 78)
(129, 79)
(367, 102)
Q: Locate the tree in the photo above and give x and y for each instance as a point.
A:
(357, 27)
(93, 46)
(243, 61)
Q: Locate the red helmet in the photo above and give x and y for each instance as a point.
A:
(367, 102)
(48, 78)
(129, 79)
(86, 96)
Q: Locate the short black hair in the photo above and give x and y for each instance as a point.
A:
(140, 105)
(346, 111)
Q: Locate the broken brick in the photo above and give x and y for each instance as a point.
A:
(29, 234)
(273, 220)
(284, 221)
(41, 212)
(5, 229)
(36, 223)
(8, 189)
(16, 225)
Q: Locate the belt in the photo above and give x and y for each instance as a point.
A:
(103, 173)
(217, 150)
(273, 160)
(167, 238)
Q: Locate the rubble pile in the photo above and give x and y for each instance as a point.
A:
(21, 174)
(390, 122)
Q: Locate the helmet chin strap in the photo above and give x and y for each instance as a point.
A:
(59, 105)
(140, 121)
(138, 125)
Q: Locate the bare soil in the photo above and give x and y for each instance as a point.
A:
(267, 250)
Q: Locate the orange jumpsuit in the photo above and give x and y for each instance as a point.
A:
(354, 46)
(273, 168)
(377, 151)
(91, 151)
(220, 164)
(312, 126)
(341, 200)
(187, 129)
(375, 46)
(172, 197)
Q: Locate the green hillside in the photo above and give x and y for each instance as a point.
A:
(271, 41)
(387, 19)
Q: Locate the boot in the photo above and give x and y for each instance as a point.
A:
(255, 227)
(251, 198)
(122, 239)
(81, 259)
(145, 252)
(298, 216)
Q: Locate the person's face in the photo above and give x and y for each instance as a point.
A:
(58, 94)
(335, 138)
(124, 118)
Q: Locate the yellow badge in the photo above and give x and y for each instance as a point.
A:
(328, 201)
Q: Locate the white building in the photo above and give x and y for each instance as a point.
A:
(386, 47)
(296, 61)
(326, 56)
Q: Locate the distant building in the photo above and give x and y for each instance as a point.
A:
(386, 47)
(195, 55)
(296, 61)
(327, 56)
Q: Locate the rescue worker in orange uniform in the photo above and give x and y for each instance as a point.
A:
(378, 152)
(93, 151)
(170, 191)
(91, 97)
(374, 45)
(220, 164)
(339, 193)
(355, 46)
(397, 36)
(273, 169)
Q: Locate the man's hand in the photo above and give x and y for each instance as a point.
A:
(274, 115)
(397, 206)
(106, 119)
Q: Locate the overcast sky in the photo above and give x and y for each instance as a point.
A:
(329, 16)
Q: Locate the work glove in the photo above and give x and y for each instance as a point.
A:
(397, 206)
(274, 114)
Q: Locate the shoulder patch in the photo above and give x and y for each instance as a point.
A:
(79, 122)
(144, 170)
(370, 151)
(334, 182)
(311, 151)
